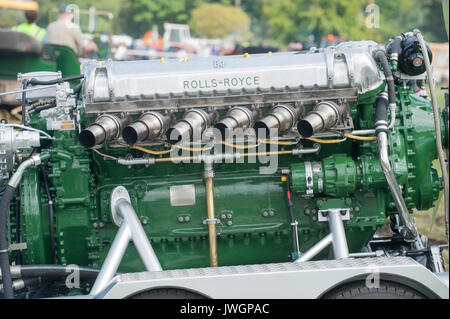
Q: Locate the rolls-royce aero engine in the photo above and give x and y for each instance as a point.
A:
(232, 160)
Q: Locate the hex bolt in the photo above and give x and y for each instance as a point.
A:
(271, 213)
(223, 216)
(314, 211)
(229, 216)
(265, 214)
(101, 224)
(144, 221)
(95, 224)
(314, 218)
(229, 223)
(356, 208)
(187, 218)
(180, 219)
(307, 211)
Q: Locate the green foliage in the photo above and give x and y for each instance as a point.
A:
(279, 21)
(138, 16)
(219, 21)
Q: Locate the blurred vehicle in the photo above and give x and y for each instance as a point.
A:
(440, 61)
(331, 40)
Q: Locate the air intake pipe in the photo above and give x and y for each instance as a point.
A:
(192, 125)
(324, 116)
(106, 128)
(148, 127)
(280, 119)
(237, 117)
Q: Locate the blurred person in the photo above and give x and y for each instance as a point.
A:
(310, 43)
(30, 27)
(295, 45)
(64, 32)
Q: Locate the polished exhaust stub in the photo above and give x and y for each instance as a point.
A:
(324, 116)
(149, 126)
(106, 128)
(237, 117)
(193, 124)
(280, 119)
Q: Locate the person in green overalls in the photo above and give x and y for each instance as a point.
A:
(30, 27)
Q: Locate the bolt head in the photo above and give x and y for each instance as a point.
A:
(229, 223)
(187, 218)
(271, 213)
(229, 216)
(180, 219)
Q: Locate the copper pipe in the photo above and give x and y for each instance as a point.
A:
(209, 189)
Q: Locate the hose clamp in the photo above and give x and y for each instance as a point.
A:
(309, 180)
(211, 221)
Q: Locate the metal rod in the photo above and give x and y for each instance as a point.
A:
(27, 90)
(112, 260)
(138, 236)
(408, 229)
(209, 188)
(340, 248)
(314, 250)
(437, 128)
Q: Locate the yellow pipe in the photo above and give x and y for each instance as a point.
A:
(209, 188)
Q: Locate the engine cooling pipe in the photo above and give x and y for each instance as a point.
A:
(237, 117)
(408, 229)
(4, 209)
(439, 147)
(149, 126)
(106, 128)
(324, 116)
(280, 119)
(192, 125)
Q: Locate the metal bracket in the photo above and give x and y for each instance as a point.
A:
(322, 215)
(211, 221)
(130, 229)
(18, 246)
(119, 192)
(336, 237)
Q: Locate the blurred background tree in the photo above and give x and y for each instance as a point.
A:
(216, 20)
(275, 21)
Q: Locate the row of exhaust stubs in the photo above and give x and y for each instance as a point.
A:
(152, 125)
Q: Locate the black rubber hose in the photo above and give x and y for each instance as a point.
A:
(383, 61)
(55, 272)
(381, 109)
(291, 215)
(24, 98)
(396, 45)
(42, 107)
(77, 88)
(56, 81)
(4, 257)
(50, 213)
(17, 214)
